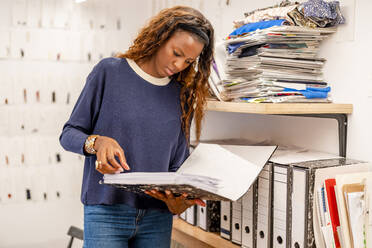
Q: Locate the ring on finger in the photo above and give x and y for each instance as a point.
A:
(98, 164)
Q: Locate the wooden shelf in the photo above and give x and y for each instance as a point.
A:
(335, 111)
(192, 236)
(280, 108)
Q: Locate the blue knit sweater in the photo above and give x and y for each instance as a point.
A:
(142, 117)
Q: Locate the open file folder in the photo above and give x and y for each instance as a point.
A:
(211, 172)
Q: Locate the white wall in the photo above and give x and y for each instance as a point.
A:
(57, 38)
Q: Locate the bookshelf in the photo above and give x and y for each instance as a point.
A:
(192, 236)
(335, 111)
(280, 108)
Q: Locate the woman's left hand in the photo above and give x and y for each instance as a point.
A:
(176, 205)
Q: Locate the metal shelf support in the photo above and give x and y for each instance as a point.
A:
(342, 128)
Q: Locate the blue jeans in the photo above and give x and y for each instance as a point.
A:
(121, 226)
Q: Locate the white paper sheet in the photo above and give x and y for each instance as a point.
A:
(42, 151)
(49, 151)
(237, 174)
(34, 85)
(112, 44)
(5, 13)
(63, 12)
(34, 13)
(100, 12)
(16, 120)
(40, 44)
(87, 39)
(4, 123)
(255, 154)
(48, 13)
(59, 45)
(4, 44)
(73, 44)
(16, 151)
(8, 185)
(6, 96)
(33, 156)
(99, 40)
(86, 18)
(299, 155)
(18, 43)
(19, 12)
(74, 17)
(20, 90)
(4, 147)
(39, 183)
(220, 58)
(356, 209)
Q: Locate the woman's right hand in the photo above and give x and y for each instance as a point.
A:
(107, 148)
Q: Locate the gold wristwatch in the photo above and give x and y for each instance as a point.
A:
(89, 144)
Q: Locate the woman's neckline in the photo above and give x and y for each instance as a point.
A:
(147, 77)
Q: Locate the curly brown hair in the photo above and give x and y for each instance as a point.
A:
(194, 79)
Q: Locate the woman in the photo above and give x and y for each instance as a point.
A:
(134, 115)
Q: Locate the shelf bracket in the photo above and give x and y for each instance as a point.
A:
(342, 128)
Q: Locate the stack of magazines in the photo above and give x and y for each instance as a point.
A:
(276, 64)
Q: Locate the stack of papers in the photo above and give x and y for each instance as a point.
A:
(177, 183)
(277, 64)
(211, 172)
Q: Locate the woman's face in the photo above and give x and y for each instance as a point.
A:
(177, 54)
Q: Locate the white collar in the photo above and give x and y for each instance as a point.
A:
(147, 77)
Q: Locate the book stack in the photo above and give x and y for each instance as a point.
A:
(277, 64)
